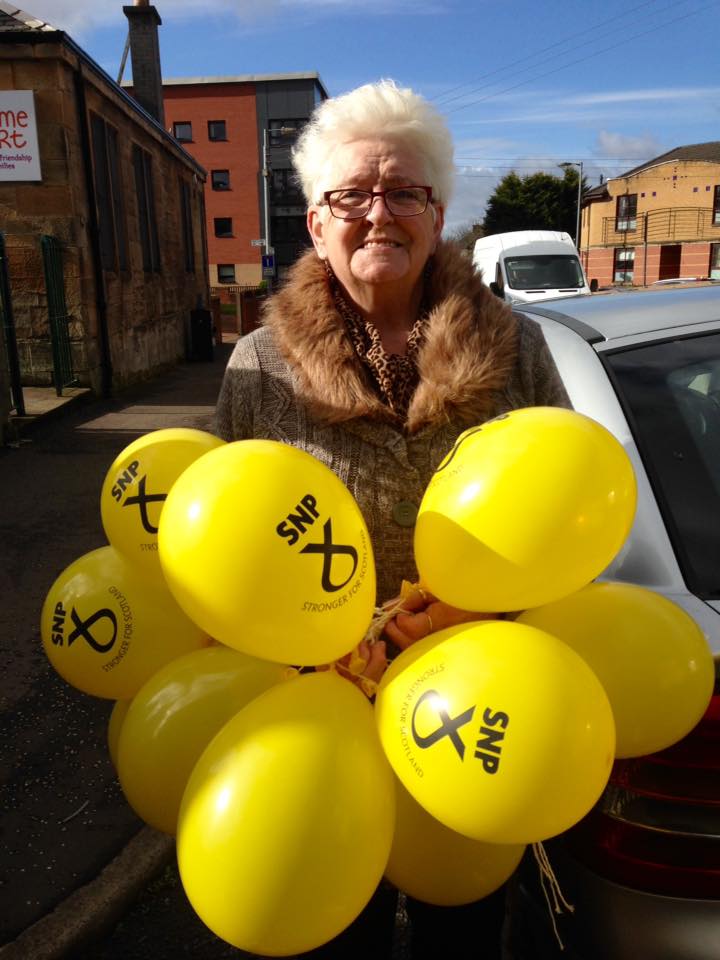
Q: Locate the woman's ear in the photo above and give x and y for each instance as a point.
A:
(316, 225)
(438, 223)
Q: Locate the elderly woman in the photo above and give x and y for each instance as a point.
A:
(382, 346)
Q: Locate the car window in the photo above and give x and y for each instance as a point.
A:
(671, 395)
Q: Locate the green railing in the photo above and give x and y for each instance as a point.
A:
(63, 375)
(7, 324)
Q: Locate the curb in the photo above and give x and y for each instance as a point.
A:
(88, 912)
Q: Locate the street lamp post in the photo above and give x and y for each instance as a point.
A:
(579, 165)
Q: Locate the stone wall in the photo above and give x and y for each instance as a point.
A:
(146, 313)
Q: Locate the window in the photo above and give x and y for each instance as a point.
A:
(284, 132)
(285, 189)
(147, 221)
(669, 388)
(289, 230)
(217, 130)
(187, 225)
(182, 131)
(226, 273)
(716, 206)
(626, 212)
(714, 272)
(220, 179)
(108, 193)
(223, 226)
(624, 265)
(543, 272)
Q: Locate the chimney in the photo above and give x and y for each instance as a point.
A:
(145, 53)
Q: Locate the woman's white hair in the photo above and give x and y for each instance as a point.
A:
(374, 110)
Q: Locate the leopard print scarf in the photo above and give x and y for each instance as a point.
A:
(395, 377)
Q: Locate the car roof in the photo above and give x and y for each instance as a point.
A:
(613, 316)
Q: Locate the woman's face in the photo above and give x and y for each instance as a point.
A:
(377, 248)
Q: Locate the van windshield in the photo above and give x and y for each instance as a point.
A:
(543, 272)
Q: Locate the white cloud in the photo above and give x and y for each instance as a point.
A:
(473, 187)
(642, 147)
(81, 17)
(660, 95)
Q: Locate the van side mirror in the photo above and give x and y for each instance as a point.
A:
(494, 288)
(594, 285)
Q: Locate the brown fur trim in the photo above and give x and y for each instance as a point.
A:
(469, 350)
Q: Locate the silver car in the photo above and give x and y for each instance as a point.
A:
(642, 870)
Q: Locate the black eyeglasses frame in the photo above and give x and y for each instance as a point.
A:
(379, 193)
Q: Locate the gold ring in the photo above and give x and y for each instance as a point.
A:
(432, 628)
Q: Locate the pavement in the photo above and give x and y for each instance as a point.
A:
(73, 855)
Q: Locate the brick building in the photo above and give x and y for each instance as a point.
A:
(104, 255)
(658, 221)
(238, 128)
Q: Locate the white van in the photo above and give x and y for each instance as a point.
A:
(530, 265)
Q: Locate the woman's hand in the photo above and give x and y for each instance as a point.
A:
(364, 666)
(426, 615)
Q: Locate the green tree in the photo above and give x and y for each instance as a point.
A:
(539, 201)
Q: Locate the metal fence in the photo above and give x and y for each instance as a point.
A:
(63, 375)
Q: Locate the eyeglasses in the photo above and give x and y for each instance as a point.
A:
(401, 201)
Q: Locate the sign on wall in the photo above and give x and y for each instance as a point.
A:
(19, 151)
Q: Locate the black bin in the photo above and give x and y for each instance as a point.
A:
(201, 335)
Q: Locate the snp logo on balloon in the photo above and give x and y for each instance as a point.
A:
(139, 500)
(293, 528)
(488, 738)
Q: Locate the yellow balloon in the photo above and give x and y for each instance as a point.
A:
(172, 719)
(106, 629)
(117, 718)
(436, 865)
(286, 823)
(266, 548)
(651, 657)
(137, 483)
(525, 509)
(499, 730)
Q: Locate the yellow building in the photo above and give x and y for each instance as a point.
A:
(658, 221)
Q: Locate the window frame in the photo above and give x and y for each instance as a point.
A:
(714, 254)
(716, 206)
(186, 219)
(228, 233)
(626, 219)
(212, 179)
(226, 266)
(624, 255)
(147, 217)
(213, 139)
(110, 205)
(182, 123)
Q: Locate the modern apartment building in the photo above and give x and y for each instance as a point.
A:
(658, 221)
(240, 129)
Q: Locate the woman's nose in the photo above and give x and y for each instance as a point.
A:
(378, 212)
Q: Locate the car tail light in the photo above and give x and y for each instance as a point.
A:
(657, 827)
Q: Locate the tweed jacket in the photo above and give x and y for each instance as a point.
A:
(298, 380)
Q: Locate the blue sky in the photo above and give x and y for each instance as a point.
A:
(524, 85)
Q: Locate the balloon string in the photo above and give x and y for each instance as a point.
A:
(548, 881)
(381, 617)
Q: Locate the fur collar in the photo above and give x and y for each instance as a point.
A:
(469, 350)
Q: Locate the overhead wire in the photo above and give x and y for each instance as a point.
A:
(507, 66)
(564, 66)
